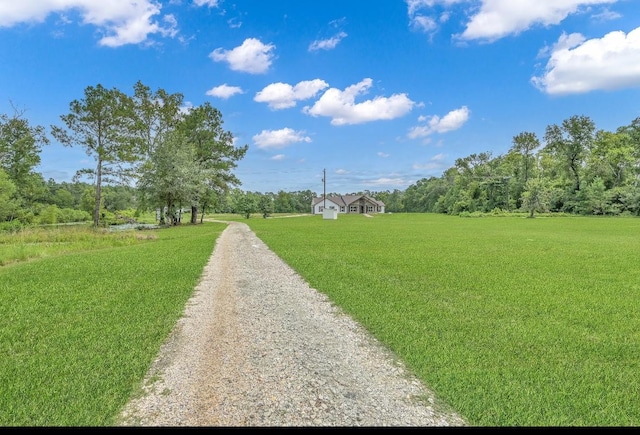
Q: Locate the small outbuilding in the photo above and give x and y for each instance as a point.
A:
(329, 213)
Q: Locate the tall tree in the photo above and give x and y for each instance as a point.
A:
(612, 158)
(214, 152)
(633, 130)
(8, 203)
(20, 146)
(570, 142)
(168, 177)
(101, 123)
(156, 113)
(525, 144)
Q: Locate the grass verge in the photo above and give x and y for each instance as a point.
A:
(79, 329)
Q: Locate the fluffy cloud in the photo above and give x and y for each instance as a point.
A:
(283, 95)
(252, 56)
(425, 15)
(209, 3)
(341, 107)
(122, 22)
(449, 122)
(577, 65)
(327, 44)
(499, 18)
(224, 91)
(495, 19)
(276, 139)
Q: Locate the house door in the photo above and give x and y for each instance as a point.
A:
(362, 209)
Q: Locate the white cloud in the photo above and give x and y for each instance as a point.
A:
(224, 91)
(606, 15)
(234, 23)
(327, 44)
(252, 56)
(283, 95)
(122, 22)
(577, 65)
(425, 24)
(209, 3)
(434, 163)
(414, 5)
(387, 182)
(276, 139)
(278, 157)
(341, 171)
(494, 19)
(341, 107)
(427, 21)
(383, 155)
(449, 122)
(499, 18)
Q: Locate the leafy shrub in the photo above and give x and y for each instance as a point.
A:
(48, 215)
(72, 215)
(13, 226)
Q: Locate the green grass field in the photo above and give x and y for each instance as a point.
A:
(80, 326)
(511, 321)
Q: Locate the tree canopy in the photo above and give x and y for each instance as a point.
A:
(151, 152)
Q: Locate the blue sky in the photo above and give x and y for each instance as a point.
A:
(380, 94)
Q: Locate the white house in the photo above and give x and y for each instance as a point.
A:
(354, 204)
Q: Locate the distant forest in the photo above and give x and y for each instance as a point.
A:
(149, 155)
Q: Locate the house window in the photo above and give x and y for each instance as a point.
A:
(353, 208)
(321, 208)
(342, 209)
(369, 208)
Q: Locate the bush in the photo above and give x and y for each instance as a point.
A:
(48, 215)
(67, 215)
(13, 226)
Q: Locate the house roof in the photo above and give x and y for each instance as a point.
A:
(346, 200)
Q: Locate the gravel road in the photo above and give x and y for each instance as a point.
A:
(258, 347)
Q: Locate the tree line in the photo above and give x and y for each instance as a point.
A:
(574, 169)
(174, 157)
(149, 153)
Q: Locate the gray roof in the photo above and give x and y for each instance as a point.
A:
(346, 200)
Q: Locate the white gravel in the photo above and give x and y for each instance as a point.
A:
(258, 347)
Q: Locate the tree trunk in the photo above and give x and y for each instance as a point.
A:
(194, 214)
(96, 210)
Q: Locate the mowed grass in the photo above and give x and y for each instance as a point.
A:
(511, 321)
(80, 326)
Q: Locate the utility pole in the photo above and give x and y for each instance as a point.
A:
(324, 188)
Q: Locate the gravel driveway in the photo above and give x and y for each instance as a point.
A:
(258, 347)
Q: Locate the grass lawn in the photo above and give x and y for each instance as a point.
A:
(512, 321)
(80, 325)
